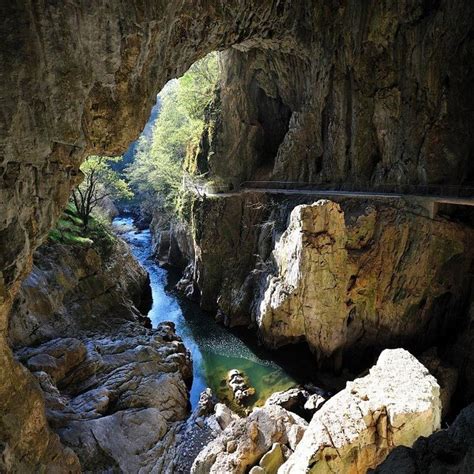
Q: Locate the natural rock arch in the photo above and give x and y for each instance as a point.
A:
(80, 78)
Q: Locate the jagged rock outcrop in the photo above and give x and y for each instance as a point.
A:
(355, 430)
(355, 274)
(239, 386)
(115, 400)
(447, 451)
(204, 425)
(72, 289)
(374, 91)
(245, 441)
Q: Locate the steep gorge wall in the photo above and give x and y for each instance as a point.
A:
(346, 275)
(73, 289)
(80, 79)
(381, 95)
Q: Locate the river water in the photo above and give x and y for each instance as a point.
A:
(215, 349)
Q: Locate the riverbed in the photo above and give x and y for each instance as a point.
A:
(215, 349)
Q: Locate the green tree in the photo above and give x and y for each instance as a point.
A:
(100, 181)
(197, 86)
(157, 167)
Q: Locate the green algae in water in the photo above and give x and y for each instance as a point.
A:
(265, 378)
(215, 350)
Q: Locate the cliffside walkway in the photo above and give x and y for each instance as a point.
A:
(429, 196)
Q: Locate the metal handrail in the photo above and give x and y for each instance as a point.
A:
(432, 190)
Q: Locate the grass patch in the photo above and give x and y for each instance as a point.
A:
(70, 231)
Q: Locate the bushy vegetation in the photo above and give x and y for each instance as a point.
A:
(157, 169)
(70, 230)
(100, 182)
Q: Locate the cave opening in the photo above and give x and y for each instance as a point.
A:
(79, 81)
(167, 168)
(273, 116)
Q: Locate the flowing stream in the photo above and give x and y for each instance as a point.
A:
(215, 350)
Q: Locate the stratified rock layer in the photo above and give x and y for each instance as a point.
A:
(355, 430)
(116, 392)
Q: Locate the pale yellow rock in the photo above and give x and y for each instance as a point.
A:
(355, 430)
(306, 298)
(272, 460)
(350, 275)
(252, 438)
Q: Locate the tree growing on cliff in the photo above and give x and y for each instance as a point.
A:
(157, 169)
(100, 181)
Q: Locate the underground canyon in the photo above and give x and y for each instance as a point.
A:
(237, 236)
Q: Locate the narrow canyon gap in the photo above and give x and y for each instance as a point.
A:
(367, 92)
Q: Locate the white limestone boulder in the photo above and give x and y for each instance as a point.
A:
(397, 402)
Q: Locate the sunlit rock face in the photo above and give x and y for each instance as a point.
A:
(354, 431)
(345, 277)
(398, 401)
(345, 91)
(72, 289)
(355, 274)
(246, 440)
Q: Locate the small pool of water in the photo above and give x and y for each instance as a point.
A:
(215, 349)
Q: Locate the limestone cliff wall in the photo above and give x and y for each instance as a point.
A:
(379, 95)
(376, 90)
(355, 275)
(346, 277)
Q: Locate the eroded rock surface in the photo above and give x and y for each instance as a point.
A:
(352, 274)
(356, 429)
(238, 383)
(246, 440)
(343, 276)
(114, 400)
(116, 391)
(72, 289)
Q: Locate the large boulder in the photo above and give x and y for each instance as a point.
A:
(246, 440)
(397, 402)
(353, 275)
(446, 451)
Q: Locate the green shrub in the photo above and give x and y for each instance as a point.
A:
(70, 231)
